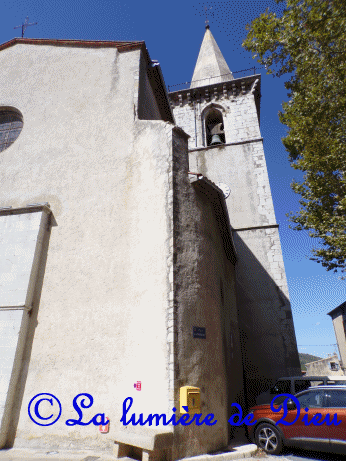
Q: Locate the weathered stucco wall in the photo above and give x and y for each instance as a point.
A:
(323, 367)
(106, 284)
(204, 283)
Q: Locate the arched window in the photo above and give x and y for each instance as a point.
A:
(214, 128)
(11, 124)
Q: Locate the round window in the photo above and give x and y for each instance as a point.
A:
(11, 124)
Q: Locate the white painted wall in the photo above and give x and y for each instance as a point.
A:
(101, 315)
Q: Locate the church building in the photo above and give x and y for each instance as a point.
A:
(140, 263)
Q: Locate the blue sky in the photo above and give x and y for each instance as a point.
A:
(173, 32)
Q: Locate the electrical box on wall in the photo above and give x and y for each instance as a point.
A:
(190, 397)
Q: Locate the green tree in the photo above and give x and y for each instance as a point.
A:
(307, 43)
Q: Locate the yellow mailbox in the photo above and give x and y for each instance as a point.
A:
(190, 397)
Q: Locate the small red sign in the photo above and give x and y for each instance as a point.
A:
(138, 385)
(104, 429)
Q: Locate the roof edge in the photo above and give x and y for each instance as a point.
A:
(337, 310)
(235, 81)
(121, 46)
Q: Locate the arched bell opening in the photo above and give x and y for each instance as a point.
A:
(214, 128)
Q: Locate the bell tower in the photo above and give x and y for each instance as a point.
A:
(221, 114)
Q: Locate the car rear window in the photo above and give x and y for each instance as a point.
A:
(336, 399)
(312, 399)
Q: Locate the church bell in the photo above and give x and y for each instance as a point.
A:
(215, 133)
(216, 139)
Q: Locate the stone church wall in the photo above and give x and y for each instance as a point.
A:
(267, 331)
(263, 303)
(239, 117)
(204, 281)
(106, 287)
(135, 258)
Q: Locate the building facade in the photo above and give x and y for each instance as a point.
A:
(329, 366)
(338, 316)
(118, 265)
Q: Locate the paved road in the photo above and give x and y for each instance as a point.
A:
(300, 455)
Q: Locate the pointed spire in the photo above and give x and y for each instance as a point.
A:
(211, 66)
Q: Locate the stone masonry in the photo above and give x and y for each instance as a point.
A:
(262, 293)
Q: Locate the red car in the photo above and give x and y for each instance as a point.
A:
(319, 425)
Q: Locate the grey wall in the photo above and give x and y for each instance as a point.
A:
(268, 338)
(201, 267)
(147, 105)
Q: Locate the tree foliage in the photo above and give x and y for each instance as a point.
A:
(307, 43)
